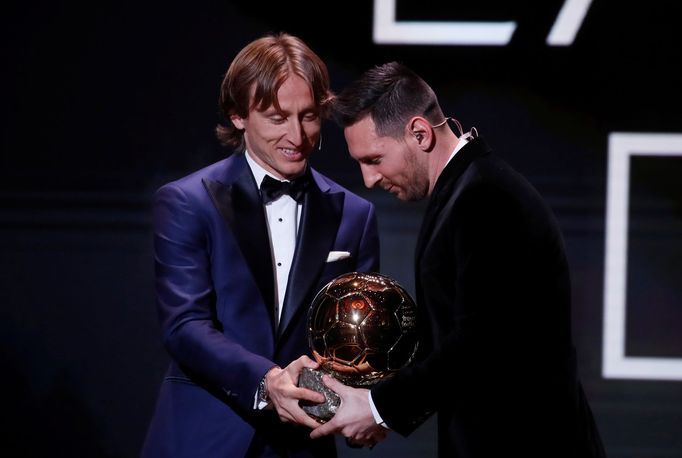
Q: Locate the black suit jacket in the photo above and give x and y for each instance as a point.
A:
(492, 283)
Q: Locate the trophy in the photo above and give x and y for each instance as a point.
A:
(362, 328)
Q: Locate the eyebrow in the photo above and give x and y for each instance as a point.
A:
(272, 111)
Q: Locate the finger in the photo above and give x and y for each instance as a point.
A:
(352, 443)
(292, 413)
(324, 430)
(376, 438)
(304, 419)
(362, 440)
(334, 384)
(306, 361)
(380, 435)
(305, 394)
(300, 416)
(295, 367)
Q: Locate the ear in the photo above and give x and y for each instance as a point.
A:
(237, 121)
(419, 133)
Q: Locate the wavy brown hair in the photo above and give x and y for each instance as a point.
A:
(256, 74)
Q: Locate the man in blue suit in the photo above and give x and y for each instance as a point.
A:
(241, 248)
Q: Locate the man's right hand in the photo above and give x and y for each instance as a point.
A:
(353, 419)
(285, 394)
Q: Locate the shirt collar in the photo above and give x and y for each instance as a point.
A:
(463, 140)
(258, 171)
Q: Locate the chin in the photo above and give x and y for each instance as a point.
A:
(411, 197)
(293, 170)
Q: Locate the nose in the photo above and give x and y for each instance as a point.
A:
(295, 131)
(370, 177)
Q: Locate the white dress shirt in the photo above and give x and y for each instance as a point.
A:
(283, 216)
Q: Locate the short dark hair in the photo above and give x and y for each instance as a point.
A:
(391, 94)
(256, 74)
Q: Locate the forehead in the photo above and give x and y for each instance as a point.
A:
(295, 94)
(362, 132)
(363, 140)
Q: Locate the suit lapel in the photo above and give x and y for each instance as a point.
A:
(317, 231)
(444, 188)
(240, 206)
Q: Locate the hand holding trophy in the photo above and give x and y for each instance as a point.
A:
(362, 328)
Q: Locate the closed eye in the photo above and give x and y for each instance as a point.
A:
(371, 160)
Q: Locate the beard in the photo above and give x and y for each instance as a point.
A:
(416, 185)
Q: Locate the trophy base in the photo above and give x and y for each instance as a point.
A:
(312, 380)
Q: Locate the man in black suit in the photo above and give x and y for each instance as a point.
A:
(497, 361)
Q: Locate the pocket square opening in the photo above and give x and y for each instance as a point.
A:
(337, 255)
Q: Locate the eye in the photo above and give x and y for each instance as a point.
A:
(310, 117)
(371, 160)
(277, 119)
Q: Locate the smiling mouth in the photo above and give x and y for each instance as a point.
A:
(291, 153)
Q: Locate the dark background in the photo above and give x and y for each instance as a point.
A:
(105, 101)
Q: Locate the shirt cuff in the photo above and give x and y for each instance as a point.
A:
(258, 405)
(261, 399)
(375, 412)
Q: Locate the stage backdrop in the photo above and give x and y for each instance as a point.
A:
(105, 101)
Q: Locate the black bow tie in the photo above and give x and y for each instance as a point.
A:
(272, 189)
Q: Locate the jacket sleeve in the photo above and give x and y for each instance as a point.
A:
(186, 300)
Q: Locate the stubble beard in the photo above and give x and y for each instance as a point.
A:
(417, 183)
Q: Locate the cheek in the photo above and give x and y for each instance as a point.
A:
(312, 130)
(264, 132)
(390, 171)
(270, 137)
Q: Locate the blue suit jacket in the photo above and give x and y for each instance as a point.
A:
(215, 297)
